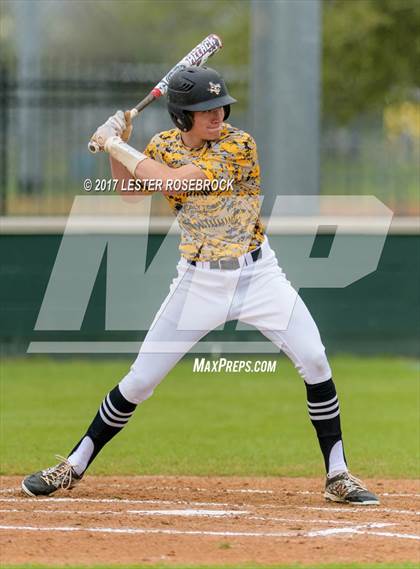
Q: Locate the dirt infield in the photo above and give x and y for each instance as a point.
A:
(207, 520)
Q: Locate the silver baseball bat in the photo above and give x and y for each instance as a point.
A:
(196, 57)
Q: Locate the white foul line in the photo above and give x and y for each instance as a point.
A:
(189, 513)
(191, 489)
(302, 520)
(181, 513)
(249, 490)
(355, 508)
(359, 529)
(351, 529)
(390, 534)
(119, 501)
(347, 508)
(154, 531)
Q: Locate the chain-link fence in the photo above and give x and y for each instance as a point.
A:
(45, 124)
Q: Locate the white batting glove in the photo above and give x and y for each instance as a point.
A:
(118, 124)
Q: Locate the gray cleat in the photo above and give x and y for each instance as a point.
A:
(47, 481)
(347, 488)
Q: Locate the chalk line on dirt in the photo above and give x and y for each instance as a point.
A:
(247, 490)
(193, 489)
(181, 513)
(364, 529)
(350, 529)
(122, 501)
(153, 531)
(355, 508)
(347, 508)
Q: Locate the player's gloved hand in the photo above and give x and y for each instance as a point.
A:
(118, 124)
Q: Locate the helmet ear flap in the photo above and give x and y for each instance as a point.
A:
(188, 120)
(182, 119)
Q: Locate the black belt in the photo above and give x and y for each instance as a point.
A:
(231, 263)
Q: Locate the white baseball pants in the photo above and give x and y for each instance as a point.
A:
(200, 299)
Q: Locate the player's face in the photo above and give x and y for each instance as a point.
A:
(207, 125)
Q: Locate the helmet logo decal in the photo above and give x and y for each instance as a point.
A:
(214, 88)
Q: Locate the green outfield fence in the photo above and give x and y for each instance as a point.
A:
(378, 314)
(45, 124)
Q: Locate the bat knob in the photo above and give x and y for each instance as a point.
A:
(93, 147)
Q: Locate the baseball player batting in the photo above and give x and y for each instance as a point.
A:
(227, 271)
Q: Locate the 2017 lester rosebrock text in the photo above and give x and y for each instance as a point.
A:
(157, 185)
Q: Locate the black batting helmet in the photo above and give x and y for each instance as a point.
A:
(196, 89)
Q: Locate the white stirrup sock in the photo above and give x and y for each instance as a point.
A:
(336, 462)
(79, 459)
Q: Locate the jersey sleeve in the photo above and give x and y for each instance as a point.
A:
(235, 157)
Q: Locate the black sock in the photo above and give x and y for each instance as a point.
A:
(112, 416)
(324, 412)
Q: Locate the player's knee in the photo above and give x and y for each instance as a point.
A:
(316, 366)
(137, 388)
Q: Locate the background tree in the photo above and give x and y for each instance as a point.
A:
(371, 54)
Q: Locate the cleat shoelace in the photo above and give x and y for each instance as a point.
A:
(348, 484)
(60, 475)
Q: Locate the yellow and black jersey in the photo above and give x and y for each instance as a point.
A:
(221, 220)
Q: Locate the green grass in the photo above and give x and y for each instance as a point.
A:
(211, 424)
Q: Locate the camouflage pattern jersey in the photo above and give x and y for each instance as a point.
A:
(222, 222)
